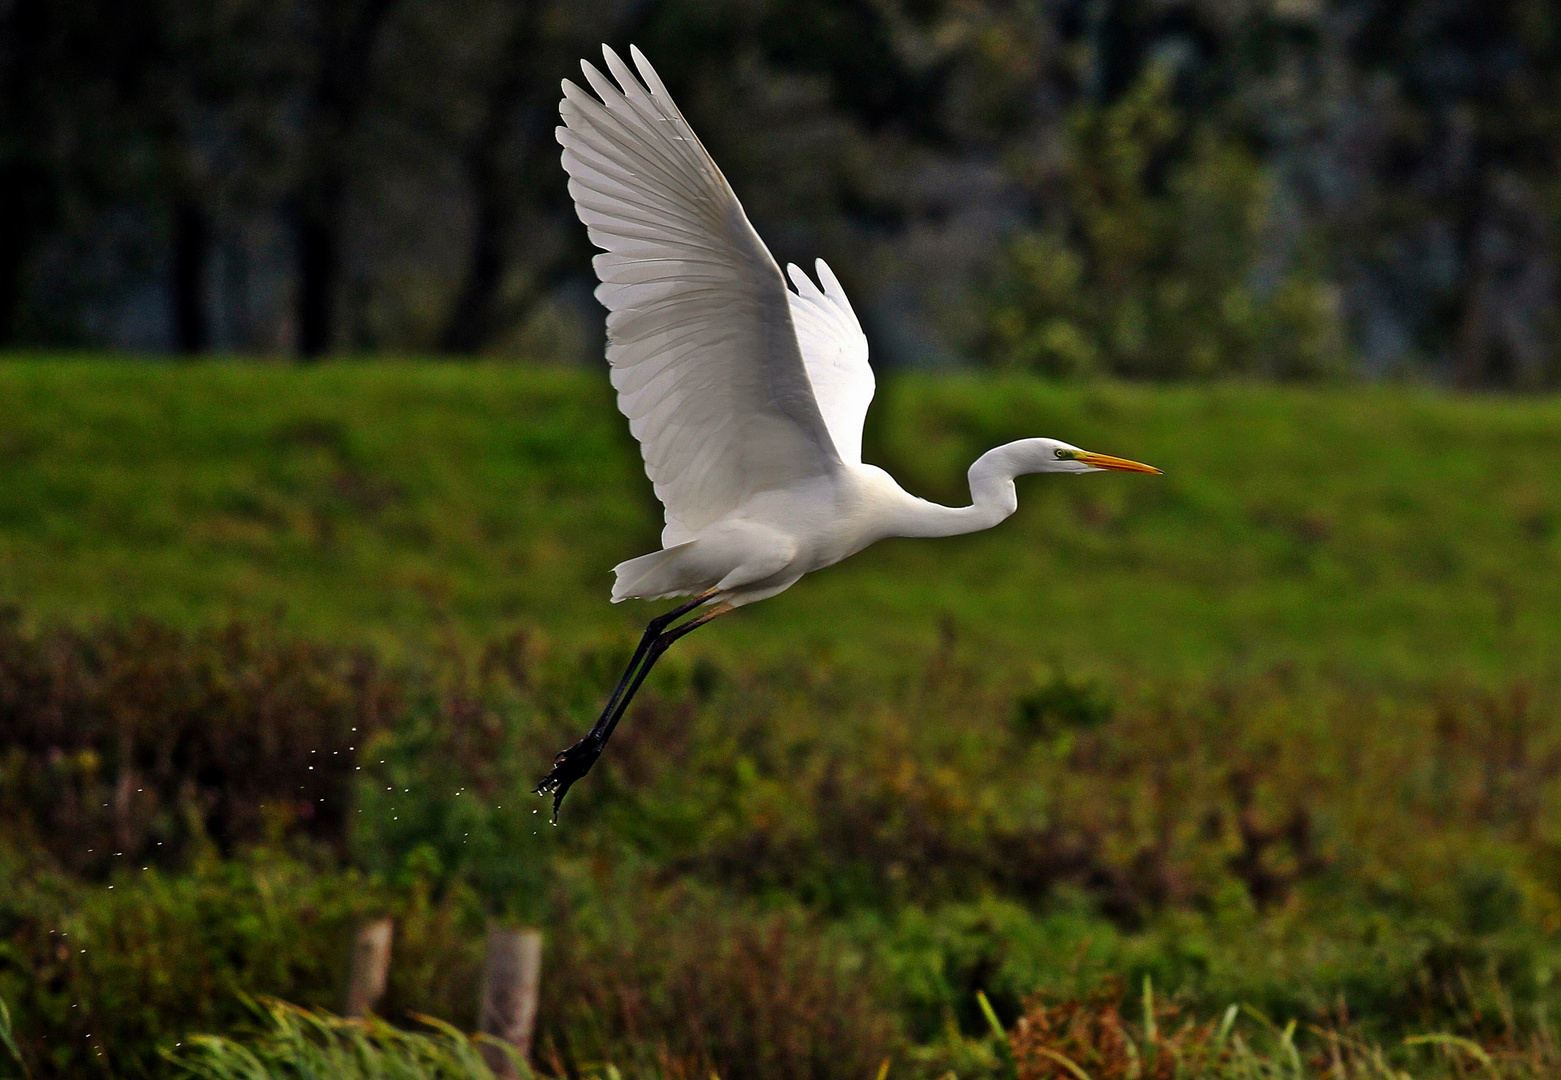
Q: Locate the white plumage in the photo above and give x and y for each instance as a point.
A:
(834, 351)
(747, 397)
(704, 355)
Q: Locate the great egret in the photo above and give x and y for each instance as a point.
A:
(747, 398)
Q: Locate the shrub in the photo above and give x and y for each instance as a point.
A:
(664, 978)
(115, 972)
(135, 744)
(1163, 263)
(683, 984)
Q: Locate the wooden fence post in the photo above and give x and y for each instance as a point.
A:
(370, 967)
(511, 978)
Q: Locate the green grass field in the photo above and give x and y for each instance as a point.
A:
(1276, 728)
(1380, 532)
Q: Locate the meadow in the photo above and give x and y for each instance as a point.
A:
(1280, 729)
(1393, 533)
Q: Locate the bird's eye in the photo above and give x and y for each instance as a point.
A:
(1064, 454)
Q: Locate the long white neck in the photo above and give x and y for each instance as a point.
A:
(992, 494)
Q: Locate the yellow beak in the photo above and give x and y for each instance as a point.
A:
(1106, 461)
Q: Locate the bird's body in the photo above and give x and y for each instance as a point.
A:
(776, 536)
(747, 397)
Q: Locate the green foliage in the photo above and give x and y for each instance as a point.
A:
(298, 1043)
(1061, 704)
(123, 968)
(1279, 727)
(634, 973)
(1161, 266)
(1055, 1039)
(8, 1040)
(851, 859)
(444, 798)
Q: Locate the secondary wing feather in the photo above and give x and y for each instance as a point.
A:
(700, 335)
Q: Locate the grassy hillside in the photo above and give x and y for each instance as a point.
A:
(1378, 531)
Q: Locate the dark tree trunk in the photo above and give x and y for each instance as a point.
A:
(476, 317)
(521, 112)
(27, 194)
(318, 253)
(187, 287)
(473, 320)
(344, 55)
(481, 312)
(24, 196)
(1471, 337)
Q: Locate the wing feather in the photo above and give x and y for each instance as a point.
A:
(707, 362)
(834, 350)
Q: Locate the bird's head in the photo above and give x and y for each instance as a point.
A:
(1050, 455)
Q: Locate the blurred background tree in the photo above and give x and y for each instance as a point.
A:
(1159, 276)
(1151, 188)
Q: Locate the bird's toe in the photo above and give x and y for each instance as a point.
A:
(570, 765)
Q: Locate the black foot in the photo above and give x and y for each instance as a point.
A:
(569, 766)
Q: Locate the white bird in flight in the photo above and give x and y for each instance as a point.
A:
(747, 397)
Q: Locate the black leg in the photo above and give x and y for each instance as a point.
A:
(659, 645)
(573, 763)
(652, 630)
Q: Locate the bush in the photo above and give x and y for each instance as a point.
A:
(444, 795)
(131, 745)
(684, 984)
(634, 974)
(1164, 263)
(115, 972)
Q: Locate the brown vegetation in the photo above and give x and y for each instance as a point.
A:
(129, 744)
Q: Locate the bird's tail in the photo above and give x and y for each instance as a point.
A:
(651, 577)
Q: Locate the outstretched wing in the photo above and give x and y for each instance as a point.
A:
(699, 329)
(834, 350)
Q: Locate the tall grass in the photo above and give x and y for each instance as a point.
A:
(8, 1040)
(1096, 1038)
(300, 1044)
(1089, 1038)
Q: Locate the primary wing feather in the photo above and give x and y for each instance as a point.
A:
(704, 355)
(834, 350)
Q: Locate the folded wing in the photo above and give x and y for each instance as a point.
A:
(700, 338)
